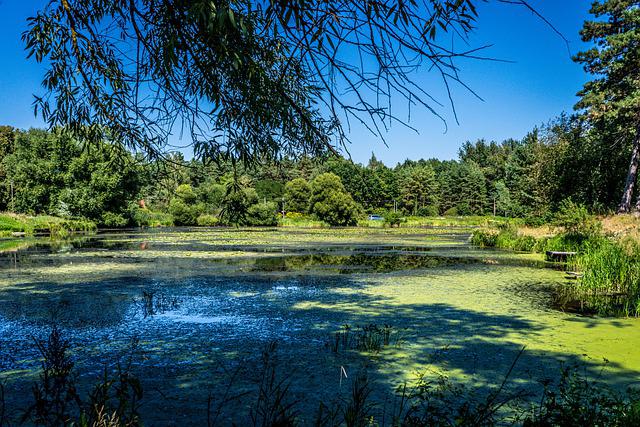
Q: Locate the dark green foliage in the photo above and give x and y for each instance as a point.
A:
(262, 214)
(394, 219)
(331, 203)
(297, 193)
(577, 401)
(419, 189)
(236, 204)
(56, 399)
(274, 406)
(51, 173)
(113, 220)
(611, 101)
(184, 214)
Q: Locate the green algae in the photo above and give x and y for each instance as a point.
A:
(464, 311)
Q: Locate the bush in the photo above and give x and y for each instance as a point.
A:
(331, 203)
(113, 220)
(576, 220)
(431, 210)
(182, 213)
(394, 219)
(451, 212)
(207, 220)
(262, 214)
(185, 193)
(339, 209)
(297, 194)
(143, 217)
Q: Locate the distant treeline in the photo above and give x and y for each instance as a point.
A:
(47, 172)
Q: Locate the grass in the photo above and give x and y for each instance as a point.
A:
(371, 338)
(610, 282)
(57, 227)
(608, 268)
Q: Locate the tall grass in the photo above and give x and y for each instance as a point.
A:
(56, 227)
(610, 282)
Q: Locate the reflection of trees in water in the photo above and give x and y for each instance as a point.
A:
(66, 305)
(354, 263)
(153, 303)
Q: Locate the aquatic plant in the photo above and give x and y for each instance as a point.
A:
(370, 338)
(273, 406)
(113, 402)
(357, 412)
(610, 282)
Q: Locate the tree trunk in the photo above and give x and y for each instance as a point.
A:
(625, 203)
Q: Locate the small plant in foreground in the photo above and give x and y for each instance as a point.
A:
(371, 338)
(55, 395)
(578, 402)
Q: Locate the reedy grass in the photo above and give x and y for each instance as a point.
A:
(610, 282)
(56, 227)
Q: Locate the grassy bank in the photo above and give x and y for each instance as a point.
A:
(10, 224)
(606, 265)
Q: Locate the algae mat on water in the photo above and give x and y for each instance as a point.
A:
(200, 305)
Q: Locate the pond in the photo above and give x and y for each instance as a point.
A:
(192, 310)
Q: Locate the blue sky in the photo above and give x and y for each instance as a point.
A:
(539, 83)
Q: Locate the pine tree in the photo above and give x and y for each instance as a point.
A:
(613, 96)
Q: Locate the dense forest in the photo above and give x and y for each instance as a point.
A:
(48, 172)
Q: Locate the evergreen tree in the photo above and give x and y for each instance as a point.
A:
(613, 96)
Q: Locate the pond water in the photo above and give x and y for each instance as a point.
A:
(192, 309)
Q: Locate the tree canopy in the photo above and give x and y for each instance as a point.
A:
(243, 79)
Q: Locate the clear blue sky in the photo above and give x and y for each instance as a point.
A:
(540, 83)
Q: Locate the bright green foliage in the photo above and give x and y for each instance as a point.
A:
(113, 220)
(185, 193)
(331, 203)
(576, 220)
(211, 194)
(394, 219)
(611, 281)
(297, 194)
(338, 208)
(52, 173)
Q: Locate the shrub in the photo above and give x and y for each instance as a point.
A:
(113, 220)
(431, 210)
(207, 220)
(576, 220)
(143, 217)
(394, 219)
(451, 212)
(185, 193)
(331, 203)
(296, 193)
(184, 214)
(338, 209)
(262, 214)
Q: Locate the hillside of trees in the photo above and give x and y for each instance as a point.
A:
(44, 172)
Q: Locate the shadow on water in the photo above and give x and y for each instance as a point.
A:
(211, 325)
